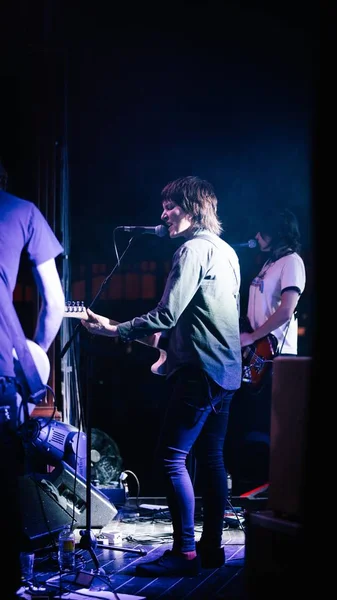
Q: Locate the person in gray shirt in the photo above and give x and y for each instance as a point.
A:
(199, 312)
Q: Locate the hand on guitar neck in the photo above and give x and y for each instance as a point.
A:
(77, 310)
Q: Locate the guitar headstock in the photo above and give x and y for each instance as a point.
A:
(75, 310)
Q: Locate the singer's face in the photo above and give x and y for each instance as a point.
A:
(179, 223)
(263, 241)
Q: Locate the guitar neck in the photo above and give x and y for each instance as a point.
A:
(76, 310)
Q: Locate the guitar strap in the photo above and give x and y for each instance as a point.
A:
(36, 389)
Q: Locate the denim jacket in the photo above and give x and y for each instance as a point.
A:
(200, 310)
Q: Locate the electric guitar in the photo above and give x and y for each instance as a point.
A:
(76, 310)
(42, 364)
(258, 357)
(257, 360)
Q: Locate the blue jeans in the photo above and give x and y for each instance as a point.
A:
(197, 417)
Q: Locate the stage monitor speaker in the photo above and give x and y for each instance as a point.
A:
(43, 516)
(55, 499)
(289, 435)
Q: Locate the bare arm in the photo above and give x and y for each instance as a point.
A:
(282, 314)
(52, 303)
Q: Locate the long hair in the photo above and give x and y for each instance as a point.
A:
(197, 198)
(284, 231)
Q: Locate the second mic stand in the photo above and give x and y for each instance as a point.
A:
(88, 539)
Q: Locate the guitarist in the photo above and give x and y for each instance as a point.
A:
(272, 300)
(199, 308)
(23, 231)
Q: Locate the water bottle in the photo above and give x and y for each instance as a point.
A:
(66, 549)
(229, 487)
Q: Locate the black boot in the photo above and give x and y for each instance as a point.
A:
(169, 565)
(211, 558)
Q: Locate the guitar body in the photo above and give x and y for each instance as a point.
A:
(159, 367)
(76, 310)
(257, 360)
(42, 364)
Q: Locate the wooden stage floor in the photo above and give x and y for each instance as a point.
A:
(139, 534)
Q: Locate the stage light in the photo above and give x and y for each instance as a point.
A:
(55, 441)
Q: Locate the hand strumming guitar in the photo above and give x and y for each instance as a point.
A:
(99, 325)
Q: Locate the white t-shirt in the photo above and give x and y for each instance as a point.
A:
(265, 297)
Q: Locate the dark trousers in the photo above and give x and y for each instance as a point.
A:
(247, 445)
(10, 513)
(197, 416)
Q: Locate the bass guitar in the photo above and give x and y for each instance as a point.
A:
(42, 364)
(76, 310)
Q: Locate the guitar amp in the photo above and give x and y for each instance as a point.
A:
(291, 391)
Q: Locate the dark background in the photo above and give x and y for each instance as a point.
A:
(141, 95)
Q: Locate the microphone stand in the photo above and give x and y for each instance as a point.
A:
(88, 540)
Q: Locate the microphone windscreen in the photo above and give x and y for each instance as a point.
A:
(161, 230)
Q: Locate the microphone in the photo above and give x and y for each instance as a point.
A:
(159, 230)
(249, 244)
